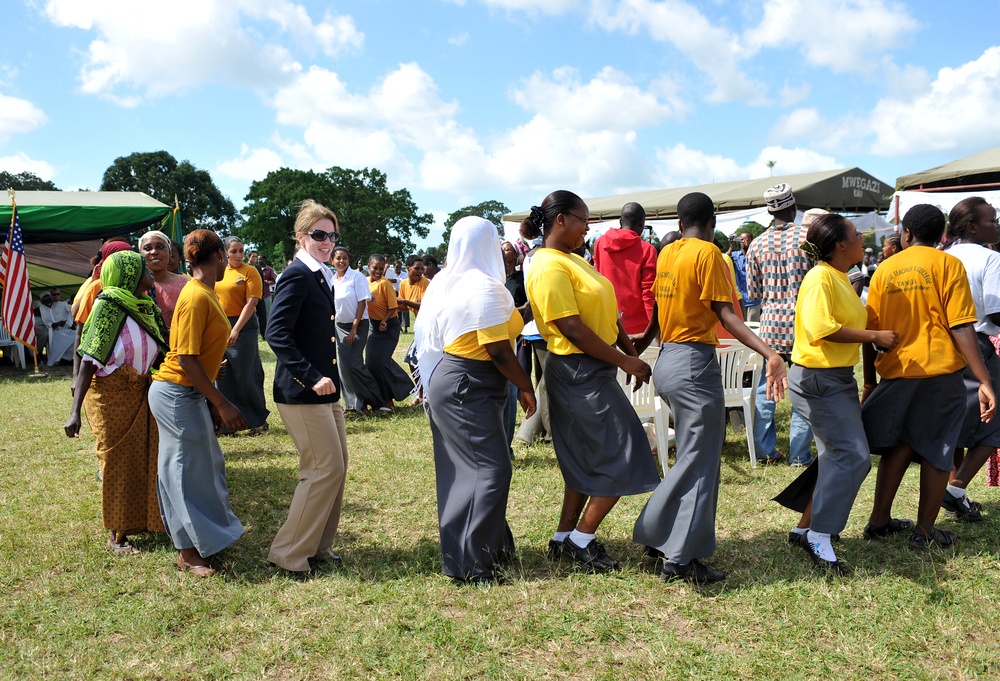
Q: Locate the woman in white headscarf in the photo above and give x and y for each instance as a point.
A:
(465, 340)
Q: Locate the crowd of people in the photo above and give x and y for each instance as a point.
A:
(167, 362)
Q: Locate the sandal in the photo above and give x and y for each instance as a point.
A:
(196, 570)
(123, 547)
(940, 538)
(258, 430)
(894, 526)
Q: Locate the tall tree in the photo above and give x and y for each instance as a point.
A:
(158, 174)
(489, 210)
(27, 181)
(372, 218)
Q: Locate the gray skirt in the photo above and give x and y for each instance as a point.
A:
(925, 413)
(828, 400)
(599, 441)
(393, 382)
(679, 518)
(243, 382)
(191, 471)
(357, 383)
(472, 464)
(975, 433)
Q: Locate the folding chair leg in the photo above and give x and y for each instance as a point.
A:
(748, 414)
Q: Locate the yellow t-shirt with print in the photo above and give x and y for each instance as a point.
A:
(413, 292)
(383, 303)
(561, 285)
(690, 275)
(237, 286)
(470, 344)
(827, 303)
(920, 293)
(199, 328)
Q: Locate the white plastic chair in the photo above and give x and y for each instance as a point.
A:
(16, 348)
(736, 358)
(647, 404)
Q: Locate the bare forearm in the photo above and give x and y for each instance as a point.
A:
(580, 335)
(245, 314)
(965, 339)
(732, 323)
(195, 372)
(505, 360)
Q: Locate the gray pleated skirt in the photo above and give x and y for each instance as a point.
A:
(679, 518)
(191, 471)
(599, 441)
(974, 432)
(925, 413)
(472, 465)
(828, 400)
(357, 383)
(393, 382)
(243, 381)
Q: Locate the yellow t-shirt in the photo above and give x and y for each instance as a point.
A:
(199, 328)
(920, 293)
(87, 300)
(383, 303)
(237, 286)
(470, 345)
(562, 285)
(827, 302)
(690, 275)
(413, 292)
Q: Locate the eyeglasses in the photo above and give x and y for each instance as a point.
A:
(320, 235)
(583, 220)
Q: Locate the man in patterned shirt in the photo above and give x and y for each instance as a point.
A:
(775, 269)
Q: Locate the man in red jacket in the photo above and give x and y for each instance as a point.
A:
(630, 263)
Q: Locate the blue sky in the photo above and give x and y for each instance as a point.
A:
(461, 101)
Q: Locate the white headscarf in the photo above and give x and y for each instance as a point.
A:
(467, 295)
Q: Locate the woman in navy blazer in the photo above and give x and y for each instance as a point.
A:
(302, 333)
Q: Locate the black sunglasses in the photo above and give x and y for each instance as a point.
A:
(320, 235)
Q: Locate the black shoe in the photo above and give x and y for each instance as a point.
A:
(332, 559)
(694, 571)
(837, 567)
(894, 526)
(793, 537)
(592, 557)
(555, 550)
(940, 538)
(961, 508)
(297, 575)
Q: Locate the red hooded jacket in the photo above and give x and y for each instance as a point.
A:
(630, 263)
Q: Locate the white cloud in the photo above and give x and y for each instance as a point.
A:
(155, 48)
(842, 35)
(251, 164)
(18, 116)
(459, 39)
(533, 6)
(609, 101)
(20, 163)
(682, 166)
(713, 49)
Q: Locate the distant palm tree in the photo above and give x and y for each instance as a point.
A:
(770, 166)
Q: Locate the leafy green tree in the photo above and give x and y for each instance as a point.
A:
(157, 173)
(372, 219)
(26, 181)
(489, 210)
(439, 252)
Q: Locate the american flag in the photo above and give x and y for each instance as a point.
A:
(15, 307)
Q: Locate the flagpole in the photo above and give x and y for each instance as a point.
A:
(34, 349)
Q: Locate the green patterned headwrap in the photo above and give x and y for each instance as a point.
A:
(120, 275)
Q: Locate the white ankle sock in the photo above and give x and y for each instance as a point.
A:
(821, 545)
(559, 536)
(799, 530)
(957, 491)
(581, 539)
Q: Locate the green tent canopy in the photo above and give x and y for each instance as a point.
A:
(57, 217)
(848, 190)
(979, 170)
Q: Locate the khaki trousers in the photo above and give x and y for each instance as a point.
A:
(320, 435)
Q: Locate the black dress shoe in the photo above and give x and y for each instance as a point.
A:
(331, 558)
(652, 553)
(694, 571)
(297, 575)
(837, 567)
(793, 537)
(555, 550)
(591, 557)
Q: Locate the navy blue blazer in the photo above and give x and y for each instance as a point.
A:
(301, 330)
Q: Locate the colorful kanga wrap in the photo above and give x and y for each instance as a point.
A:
(120, 275)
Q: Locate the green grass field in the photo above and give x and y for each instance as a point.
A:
(70, 609)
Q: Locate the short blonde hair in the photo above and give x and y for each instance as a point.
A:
(310, 213)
